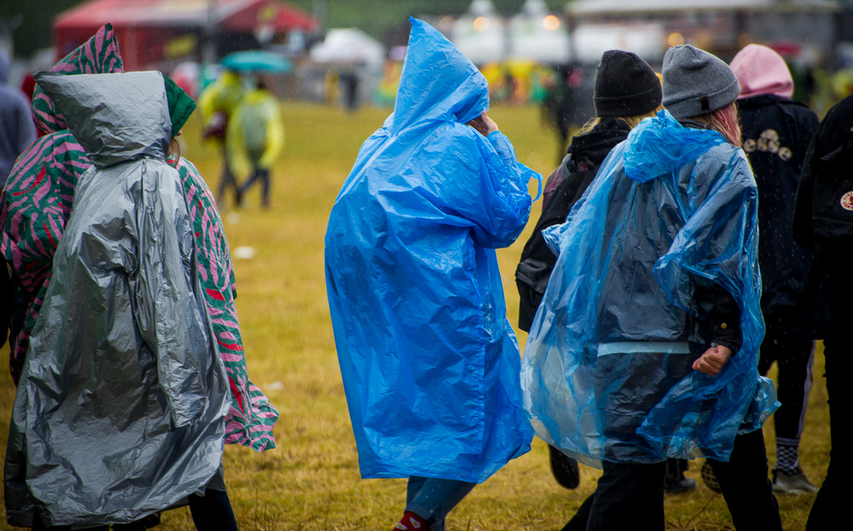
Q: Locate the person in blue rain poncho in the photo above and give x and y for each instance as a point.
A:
(645, 345)
(429, 362)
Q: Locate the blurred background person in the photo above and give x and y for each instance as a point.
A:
(17, 130)
(255, 139)
(776, 133)
(217, 103)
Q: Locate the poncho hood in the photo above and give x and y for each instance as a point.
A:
(761, 71)
(98, 55)
(660, 145)
(115, 117)
(438, 82)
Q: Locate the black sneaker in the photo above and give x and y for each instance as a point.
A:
(564, 468)
(678, 484)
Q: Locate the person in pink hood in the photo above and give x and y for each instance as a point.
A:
(776, 133)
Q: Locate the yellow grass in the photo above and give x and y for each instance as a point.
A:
(311, 482)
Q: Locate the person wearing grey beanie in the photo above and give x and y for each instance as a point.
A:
(699, 86)
(696, 82)
(700, 91)
(659, 262)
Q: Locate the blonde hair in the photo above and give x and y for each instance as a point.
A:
(725, 121)
(632, 121)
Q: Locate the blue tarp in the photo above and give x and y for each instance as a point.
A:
(607, 366)
(429, 362)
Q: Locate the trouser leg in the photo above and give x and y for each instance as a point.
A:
(581, 517)
(212, 512)
(746, 487)
(432, 499)
(830, 505)
(629, 497)
(226, 179)
(265, 177)
(794, 355)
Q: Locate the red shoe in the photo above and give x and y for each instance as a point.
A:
(411, 522)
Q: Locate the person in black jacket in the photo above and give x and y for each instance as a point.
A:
(823, 223)
(776, 132)
(626, 91)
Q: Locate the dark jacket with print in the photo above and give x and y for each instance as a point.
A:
(776, 133)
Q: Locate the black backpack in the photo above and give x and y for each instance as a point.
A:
(832, 194)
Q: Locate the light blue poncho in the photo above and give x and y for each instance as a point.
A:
(607, 366)
(429, 362)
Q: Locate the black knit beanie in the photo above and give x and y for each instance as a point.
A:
(625, 86)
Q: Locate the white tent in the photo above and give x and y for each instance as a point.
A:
(590, 41)
(600, 7)
(348, 45)
(479, 33)
(538, 35)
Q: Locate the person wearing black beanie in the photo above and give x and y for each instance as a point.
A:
(625, 86)
(626, 91)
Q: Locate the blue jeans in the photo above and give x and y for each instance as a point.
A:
(432, 498)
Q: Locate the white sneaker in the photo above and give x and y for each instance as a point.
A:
(796, 483)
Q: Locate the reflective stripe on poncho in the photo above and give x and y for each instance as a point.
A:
(606, 371)
(429, 362)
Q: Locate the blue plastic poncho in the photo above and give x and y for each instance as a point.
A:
(429, 362)
(607, 367)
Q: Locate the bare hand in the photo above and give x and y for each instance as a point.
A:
(713, 360)
(483, 124)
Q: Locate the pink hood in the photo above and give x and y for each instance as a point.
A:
(760, 70)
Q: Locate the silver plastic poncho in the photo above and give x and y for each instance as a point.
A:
(119, 411)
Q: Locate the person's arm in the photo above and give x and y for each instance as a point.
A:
(721, 313)
(275, 137)
(238, 161)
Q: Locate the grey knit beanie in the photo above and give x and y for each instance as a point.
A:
(625, 86)
(696, 82)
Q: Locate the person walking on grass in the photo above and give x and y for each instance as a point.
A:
(255, 139)
(823, 224)
(429, 362)
(217, 103)
(626, 91)
(776, 133)
(645, 346)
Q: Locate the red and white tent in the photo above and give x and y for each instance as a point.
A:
(152, 32)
